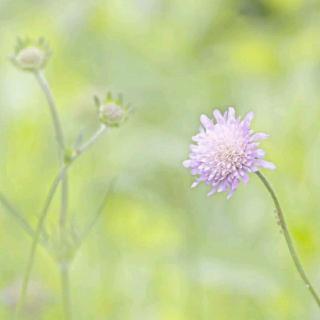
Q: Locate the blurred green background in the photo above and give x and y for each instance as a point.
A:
(161, 251)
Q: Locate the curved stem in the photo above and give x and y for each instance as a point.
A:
(60, 141)
(53, 109)
(61, 146)
(287, 236)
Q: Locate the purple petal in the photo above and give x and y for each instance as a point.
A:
(219, 117)
(186, 163)
(195, 184)
(259, 136)
(245, 178)
(231, 113)
(260, 153)
(230, 194)
(266, 164)
(213, 191)
(206, 122)
(247, 119)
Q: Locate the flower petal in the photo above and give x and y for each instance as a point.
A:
(259, 136)
(245, 178)
(186, 163)
(247, 119)
(206, 122)
(266, 164)
(231, 113)
(219, 117)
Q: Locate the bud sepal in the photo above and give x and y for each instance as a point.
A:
(31, 55)
(112, 112)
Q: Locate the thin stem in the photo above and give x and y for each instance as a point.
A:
(64, 201)
(61, 145)
(90, 142)
(287, 236)
(20, 219)
(44, 214)
(65, 284)
(97, 215)
(36, 238)
(53, 109)
(17, 215)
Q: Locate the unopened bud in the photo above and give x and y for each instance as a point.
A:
(31, 55)
(112, 112)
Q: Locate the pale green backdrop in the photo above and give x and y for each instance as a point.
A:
(162, 251)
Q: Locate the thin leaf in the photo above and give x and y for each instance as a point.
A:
(17, 215)
(96, 217)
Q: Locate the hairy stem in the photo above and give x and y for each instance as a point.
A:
(289, 241)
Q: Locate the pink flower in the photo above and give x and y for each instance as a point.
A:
(225, 152)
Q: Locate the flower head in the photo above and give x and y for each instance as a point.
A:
(112, 112)
(226, 151)
(31, 55)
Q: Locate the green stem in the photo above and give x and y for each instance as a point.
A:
(65, 284)
(17, 215)
(44, 214)
(60, 141)
(90, 141)
(61, 146)
(35, 241)
(53, 109)
(95, 218)
(288, 238)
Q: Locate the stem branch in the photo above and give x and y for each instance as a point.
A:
(61, 148)
(63, 171)
(43, 83)
(36, 239)
(16, 214)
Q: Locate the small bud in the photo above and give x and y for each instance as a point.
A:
(112, 112)
(31, 55)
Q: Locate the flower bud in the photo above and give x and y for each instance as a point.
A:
(112, 112)
(31, 55)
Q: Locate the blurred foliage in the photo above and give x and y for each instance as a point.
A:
(161, 251)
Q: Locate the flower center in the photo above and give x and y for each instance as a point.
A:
(228, 158)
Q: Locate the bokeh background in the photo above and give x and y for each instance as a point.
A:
(160, 250)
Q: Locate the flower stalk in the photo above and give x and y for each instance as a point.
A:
(35, 241)
(32, 56)
(64, 277)
(225, 152)
(16, 215)
(293, 253)
(65, 284)
(43, 83)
